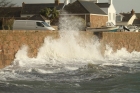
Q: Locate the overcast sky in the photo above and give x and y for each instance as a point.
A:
(120, 5)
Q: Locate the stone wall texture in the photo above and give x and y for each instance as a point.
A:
(98, 21)
(11, 42)
(118, 40)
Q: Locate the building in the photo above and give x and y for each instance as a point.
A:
(89, 11)
(109, 9)
(128, 18)
(31, 9)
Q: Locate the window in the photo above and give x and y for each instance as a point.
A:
(39, 24)
(46, 24)
(114, 16)
(109, 16)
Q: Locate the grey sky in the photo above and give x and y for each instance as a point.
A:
(120, 5)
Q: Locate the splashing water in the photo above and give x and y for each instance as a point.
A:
(68, 53)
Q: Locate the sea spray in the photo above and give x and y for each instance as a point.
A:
(71, 23)
(68, 48)
(72, 47)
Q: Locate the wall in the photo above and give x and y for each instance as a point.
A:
(112, 10)
(118, 40)
(11, 42)
(98, 21)
(130, 22)
(26, 15)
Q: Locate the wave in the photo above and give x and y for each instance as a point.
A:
(70, 52)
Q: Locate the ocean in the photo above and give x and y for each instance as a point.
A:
(66, 65)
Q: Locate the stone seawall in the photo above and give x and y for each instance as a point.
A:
(11, 42)
(118, 40)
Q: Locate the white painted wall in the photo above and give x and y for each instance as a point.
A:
(122, 23)
(27, 15)
(119, 18)
(112, 13)
(130, 22)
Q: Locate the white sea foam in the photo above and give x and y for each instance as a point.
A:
(66, 53)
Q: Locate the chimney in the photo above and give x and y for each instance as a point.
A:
(23, 4)
(56, 2)
(132, 12)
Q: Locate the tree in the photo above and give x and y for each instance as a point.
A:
(6, 3)
(51, 14)
(54, 13)
(46, 12)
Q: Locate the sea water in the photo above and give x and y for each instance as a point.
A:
(66, 66)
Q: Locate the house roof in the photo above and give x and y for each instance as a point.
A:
(38, 17)
(103, 5)
(81, 7)
(136, 21)
(36, 7)
(137, 15)
(126, 17)
(91, 7)
(10, 11)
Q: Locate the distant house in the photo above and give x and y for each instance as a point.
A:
(87, 10)
(109, 9)
(128, 18)
(31, 9)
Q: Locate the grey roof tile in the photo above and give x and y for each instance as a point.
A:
(10, 11)
(91, 7)
(36, 8)
(103, 5)
(126, 17)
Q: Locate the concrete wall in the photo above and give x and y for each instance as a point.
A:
(11, 42)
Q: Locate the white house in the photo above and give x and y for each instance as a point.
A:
(109, 9)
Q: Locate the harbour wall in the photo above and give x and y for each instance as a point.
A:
(12, 41)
